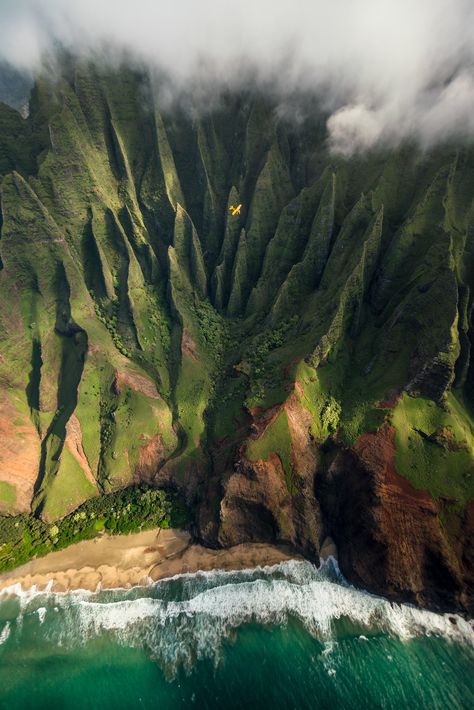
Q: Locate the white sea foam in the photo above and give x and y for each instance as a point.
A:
(189, 616)
(5, 633)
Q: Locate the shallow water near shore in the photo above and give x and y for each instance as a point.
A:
(288, 636)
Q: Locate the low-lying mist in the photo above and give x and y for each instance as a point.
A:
(383, 71)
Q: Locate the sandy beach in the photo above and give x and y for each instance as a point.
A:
(130, 560)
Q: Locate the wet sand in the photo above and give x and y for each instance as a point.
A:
(196, 558)
(128, 560)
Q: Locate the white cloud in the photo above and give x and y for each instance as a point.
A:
(387, 68)
(354, 128)
(452, 111)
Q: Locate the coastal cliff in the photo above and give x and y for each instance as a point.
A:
(297, 370)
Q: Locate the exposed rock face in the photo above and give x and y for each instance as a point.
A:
(19, 455)
(136, 382)
(433, 380)
(389, 535)
(465, 548)
(257, 502)
(74, 443)
(150, 456)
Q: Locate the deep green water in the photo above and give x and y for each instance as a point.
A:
(284, 637)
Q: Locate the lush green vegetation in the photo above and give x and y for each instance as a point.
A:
(110, 323)
(130, 510)
(141, 325)
(7, 496)
(435, 447)
(68, 488)
(275, 440)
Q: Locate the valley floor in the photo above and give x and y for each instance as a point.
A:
(129, 560)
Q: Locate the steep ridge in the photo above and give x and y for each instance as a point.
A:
(300, 369)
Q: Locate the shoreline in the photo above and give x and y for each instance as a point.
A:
(125, 561)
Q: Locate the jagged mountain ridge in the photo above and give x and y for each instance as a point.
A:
(249, 361)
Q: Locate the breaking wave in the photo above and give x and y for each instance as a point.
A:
(189, 617)
(4, 633)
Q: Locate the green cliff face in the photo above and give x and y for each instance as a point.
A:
(147, 335)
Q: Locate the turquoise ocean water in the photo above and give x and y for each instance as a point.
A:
(289, 636)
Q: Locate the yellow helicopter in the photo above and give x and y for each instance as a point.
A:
(235, 210)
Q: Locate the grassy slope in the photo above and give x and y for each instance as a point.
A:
(275, 440)
(353, 280)
(435, 447)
